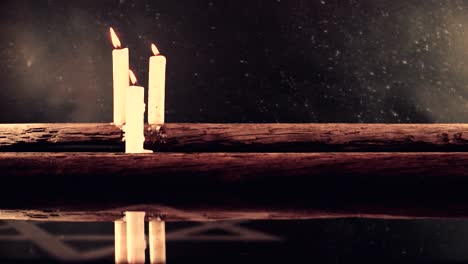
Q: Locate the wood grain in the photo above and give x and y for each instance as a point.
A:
(180, 137)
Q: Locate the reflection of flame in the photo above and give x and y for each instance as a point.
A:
(155, 49)
(115, 39)
(133, 78)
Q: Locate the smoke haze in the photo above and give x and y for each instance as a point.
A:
(251, 61)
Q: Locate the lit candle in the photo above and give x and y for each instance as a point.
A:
(156, 89)
(135, 115)
(120, 72)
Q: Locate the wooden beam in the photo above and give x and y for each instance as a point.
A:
(179, 137)
(214, 186)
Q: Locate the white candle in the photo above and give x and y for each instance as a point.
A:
(156, 87)
(134, 112)
(136, 242)
(120, 73)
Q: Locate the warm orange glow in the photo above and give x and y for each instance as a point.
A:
(133, 78)
(155, 49)
(115, 39)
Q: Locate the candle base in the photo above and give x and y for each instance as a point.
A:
(138, 151)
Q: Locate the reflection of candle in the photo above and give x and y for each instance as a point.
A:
(157, 241)
(120, 230)
(136, 242)
(156, 87)
(134, 112)
(120, 71)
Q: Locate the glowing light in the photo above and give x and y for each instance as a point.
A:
(115, 39)
(155, 49)
(133, 78)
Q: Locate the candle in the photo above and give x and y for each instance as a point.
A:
(134, 112)
(156, 87)
(120, 74)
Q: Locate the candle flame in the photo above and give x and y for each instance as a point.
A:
(133, 78)
(115, 39)
(155, 49)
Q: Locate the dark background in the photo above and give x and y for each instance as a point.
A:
(240, 61)
(253, 61)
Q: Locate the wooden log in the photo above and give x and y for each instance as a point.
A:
(215, 186)
(60, 137)
(240, 137)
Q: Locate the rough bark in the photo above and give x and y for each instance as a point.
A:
(60, 136)
(210, 186)
(186, 137)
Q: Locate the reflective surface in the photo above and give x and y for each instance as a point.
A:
(324, 241)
